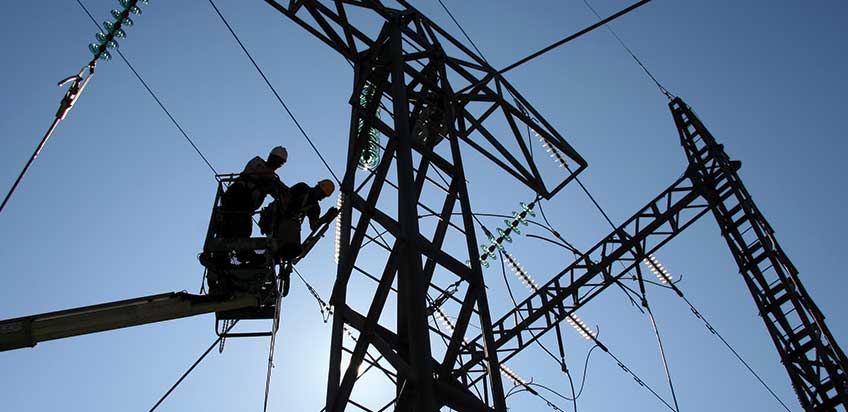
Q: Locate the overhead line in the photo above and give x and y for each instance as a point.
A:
(592, 198)
(273, 90)
(573, 36)
(152, 94)
(663, 90)
(191, 368)
(467, 37)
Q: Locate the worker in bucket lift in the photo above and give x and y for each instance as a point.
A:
(288, 215)
(258, 180)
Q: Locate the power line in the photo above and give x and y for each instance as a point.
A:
(694, 309)
(573, 36)
(662, 350)
(66, 104)
(273, 90)
(712, 330)
(191, 368)
(560, 361)
(152, 94)
(663, 90)
(467, 37)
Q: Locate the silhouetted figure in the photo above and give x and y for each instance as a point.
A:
(283, 219)
(258, 180)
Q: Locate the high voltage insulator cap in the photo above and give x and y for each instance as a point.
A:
(113, 29)
(370, 156)
(554, 153)
(126, 21)
(496, 243)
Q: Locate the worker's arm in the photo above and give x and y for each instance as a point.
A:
(266, 178)
(314, 215)
(30, 330)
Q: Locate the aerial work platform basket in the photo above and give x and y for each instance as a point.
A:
(238, 263)
(241, 264)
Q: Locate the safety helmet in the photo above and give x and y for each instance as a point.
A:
(327, 186)
(280, 152)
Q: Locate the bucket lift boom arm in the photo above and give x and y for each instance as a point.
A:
(30, 330)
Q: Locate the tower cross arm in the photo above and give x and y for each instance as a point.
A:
(647, 230)
(489, 114)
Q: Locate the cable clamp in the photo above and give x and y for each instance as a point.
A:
(79, 83)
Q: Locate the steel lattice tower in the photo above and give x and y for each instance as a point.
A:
(814, 361)
(406, 67)
(405, 72)
(440, 99)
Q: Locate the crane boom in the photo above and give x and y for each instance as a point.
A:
(28, 331)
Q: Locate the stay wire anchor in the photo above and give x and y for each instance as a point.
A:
(71, 96)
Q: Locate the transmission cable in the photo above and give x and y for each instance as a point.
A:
(65, 106)
(152, 94)
(712, 330)
(561, 361)
(464, 33)
(518, 389)
(700, 316)
(573, 36)
(607, 218)
(696, 312)
(663, 90)
(191, 368)
(656, 329)
(606, 349)
(282, 103)
(273, 90)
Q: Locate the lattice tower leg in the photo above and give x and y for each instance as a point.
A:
(815, 362)
(423, 382)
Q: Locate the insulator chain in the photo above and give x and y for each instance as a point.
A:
(496, 243)
(578, 324)
(658, 269)
(552, 151)
(338, 236)
(114, 29)
(510, 374)
(371, 151)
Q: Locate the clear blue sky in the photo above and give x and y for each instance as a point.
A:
(118, 203)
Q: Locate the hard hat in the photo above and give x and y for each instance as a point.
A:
(327, 186)
(280, 152)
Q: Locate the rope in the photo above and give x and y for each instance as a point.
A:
(273, 90)
(191, 368)
(663, 90)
